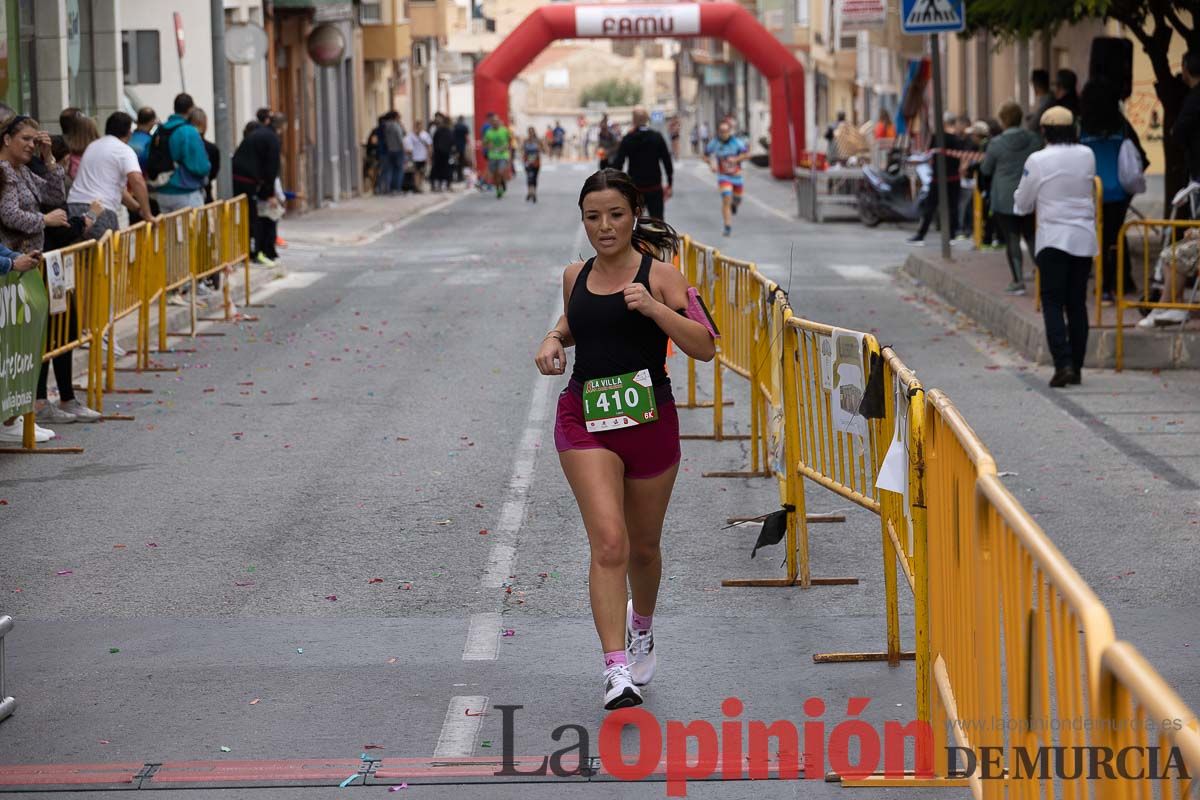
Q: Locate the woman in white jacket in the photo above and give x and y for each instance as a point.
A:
(1058, 186)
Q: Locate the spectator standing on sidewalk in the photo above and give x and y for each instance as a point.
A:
(1004, 162)
(22, 228)
(953, 189)
(1187, 125)
(1102, 128)
(393, 155)
(178, 162)
(645, 149)
(147, 121)
(1043, 98)
(1057, 185)
(256, 165)
(109, 168)
(462, 133)
(443, 148)
(418, 143)
(198, 119)
(79, 130)
(1066, 92)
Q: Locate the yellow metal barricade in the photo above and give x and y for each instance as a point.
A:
(1139, 710)
(697, 262)
(130, 271)
(899, 452)
(1179, 260)
(725, 285)
(236, 238)
(210, 250)
(177, 235)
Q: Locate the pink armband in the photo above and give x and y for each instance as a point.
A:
(697, 312)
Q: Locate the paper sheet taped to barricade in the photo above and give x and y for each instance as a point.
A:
(893, 472)
(56, 277)
(847, 382)
(22, 337)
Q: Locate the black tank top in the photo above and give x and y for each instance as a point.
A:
(609, 338)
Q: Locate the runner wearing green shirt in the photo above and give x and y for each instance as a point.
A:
(497, 144)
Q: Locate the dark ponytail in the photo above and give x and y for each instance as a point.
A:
(651, 236)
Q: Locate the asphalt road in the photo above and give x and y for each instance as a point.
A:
(318, 534)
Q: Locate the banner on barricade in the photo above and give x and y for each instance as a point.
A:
(23, 305)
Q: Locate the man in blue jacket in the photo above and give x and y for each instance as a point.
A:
(179, 144)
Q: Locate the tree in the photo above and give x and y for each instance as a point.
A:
(1154, 23)
(613, 91)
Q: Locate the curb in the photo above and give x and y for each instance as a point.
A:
(1143, 350)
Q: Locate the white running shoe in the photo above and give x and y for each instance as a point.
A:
(639, 647)
(13, 433)
(619, 691)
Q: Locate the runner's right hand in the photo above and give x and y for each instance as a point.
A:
(551, 357)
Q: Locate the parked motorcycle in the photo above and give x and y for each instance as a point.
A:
(885, 195)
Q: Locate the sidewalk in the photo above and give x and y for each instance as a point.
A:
(361, 220)
(974, 283)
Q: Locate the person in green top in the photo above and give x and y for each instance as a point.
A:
(497, 144)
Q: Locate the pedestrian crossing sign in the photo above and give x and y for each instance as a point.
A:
(932, 16)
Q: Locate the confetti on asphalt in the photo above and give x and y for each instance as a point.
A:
(65, 572)
(508, 632)
(104, 741)
(113, 650)
(243, 583)
(372, 747)
(300, 650)
(255, 701)
(375, 580)
(331, 597)
(225, 749)
(483, 532)
(441, 522)
(393, 660)
(398, 788)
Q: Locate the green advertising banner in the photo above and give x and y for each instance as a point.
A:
(23, 305)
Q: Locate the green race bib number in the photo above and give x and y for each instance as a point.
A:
(619, 402)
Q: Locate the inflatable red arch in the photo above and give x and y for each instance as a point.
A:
(727, 21)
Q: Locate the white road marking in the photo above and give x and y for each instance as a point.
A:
(460, 729)
(859, 272)
(512, 512)
(471, 276)
(292, 280)
(483, 638)
(375, 279)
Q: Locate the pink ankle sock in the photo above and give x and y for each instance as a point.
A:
(641, 623)
(615, 657)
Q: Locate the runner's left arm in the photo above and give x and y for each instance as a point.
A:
(692, 337)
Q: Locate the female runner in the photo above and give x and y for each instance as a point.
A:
(621, 307)
(532, 151)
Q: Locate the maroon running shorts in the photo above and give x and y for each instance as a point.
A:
(646, 450)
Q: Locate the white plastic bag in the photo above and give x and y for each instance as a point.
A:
(1129, 169)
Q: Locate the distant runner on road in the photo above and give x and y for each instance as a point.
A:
(497, 145)
(532, 159)
(725, 156)
(616, 430)
(644, 148)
